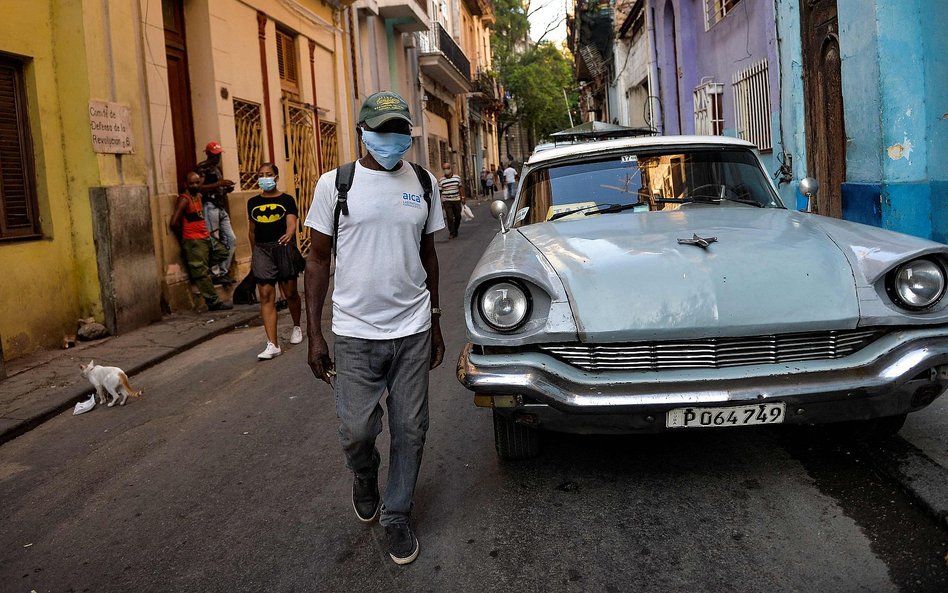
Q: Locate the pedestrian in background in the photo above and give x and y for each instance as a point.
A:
(489, 182)
(499, 174)
(452, 198)
(200, 250)
(510, 178)
(215, 188)
(385, 314)
(485, 173)
(275, 258)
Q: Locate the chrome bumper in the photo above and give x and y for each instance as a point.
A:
(902, 372)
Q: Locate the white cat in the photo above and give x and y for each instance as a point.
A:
(111, 379)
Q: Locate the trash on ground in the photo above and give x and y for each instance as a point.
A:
(84, 406)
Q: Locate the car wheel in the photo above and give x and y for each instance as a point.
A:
(874, 429)
(513, 440)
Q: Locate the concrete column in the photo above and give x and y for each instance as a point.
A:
(906, 193)
(125, 256)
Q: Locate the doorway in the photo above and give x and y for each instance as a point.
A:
(823, 96)
(179, 88)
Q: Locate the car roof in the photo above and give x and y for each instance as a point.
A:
(592, 147)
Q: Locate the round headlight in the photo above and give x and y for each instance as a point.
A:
(504, 305)
(919, 283)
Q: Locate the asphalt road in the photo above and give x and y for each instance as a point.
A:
(227, 476)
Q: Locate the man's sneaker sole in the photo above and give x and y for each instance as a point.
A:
(371, 519)
(411, 557)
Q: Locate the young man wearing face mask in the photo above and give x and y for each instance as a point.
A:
(200, 251)
(452, 198)
(385, 314)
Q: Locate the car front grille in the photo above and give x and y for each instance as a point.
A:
(713, 352)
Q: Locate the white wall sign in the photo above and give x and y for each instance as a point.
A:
(111, 125)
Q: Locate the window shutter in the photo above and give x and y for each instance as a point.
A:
(281, 61)
(16, 153)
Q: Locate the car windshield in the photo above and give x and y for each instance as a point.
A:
(646, 181)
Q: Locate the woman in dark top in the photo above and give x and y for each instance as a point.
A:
(275, 259)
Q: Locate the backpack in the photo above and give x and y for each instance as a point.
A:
(344, 175)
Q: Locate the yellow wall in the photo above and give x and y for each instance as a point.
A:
(49, 283)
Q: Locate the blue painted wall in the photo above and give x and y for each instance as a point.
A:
(895, 92)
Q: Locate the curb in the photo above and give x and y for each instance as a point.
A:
(920, 476)
(75, 393)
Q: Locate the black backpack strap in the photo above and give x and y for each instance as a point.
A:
(425, 179)
(344, 175)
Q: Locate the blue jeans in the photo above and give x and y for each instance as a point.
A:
(218, 225)
(366, 369)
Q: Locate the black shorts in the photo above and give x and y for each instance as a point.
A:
(271, 262)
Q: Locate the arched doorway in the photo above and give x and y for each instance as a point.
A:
(669, 66)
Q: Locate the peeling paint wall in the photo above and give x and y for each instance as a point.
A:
(894, 77)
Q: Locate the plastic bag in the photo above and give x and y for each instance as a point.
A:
(467, 214)
(84, 406)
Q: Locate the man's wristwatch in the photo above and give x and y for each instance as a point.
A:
(436, 310)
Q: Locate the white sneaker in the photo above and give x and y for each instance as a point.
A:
(297, 336)
(269, 352)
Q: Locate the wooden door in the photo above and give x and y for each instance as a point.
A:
(823, 101)
(179, 89)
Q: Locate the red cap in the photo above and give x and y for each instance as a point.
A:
(214, 148)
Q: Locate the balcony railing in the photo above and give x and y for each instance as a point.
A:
(436, 40)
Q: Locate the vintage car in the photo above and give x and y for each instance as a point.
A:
(659, 283)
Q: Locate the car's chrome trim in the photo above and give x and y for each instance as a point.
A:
(713, 352)
(886, 364)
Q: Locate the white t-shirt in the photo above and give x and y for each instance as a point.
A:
(379, 290)
(510, 174)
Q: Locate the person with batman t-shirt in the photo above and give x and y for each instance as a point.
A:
(275, 257)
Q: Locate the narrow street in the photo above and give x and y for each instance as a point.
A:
(227, 476)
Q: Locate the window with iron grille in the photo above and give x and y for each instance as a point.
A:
(445, 153)
(715, 10)
(709, 114)
(752, 105)
(287, 62)
(249, 129)
(18, 208)
(434, 162)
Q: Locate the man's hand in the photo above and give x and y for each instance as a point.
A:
(437, 346)
(318, 359)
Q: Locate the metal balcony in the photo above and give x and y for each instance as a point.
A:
(441, 59)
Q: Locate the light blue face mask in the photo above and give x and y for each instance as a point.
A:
(267, 183)
(386, 148)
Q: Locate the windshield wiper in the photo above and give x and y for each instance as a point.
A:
(615, 208)
(709, 200)
(559, 215)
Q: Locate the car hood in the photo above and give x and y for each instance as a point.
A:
(628, 278)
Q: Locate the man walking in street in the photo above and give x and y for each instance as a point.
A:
(200, 250)
(215, 188)
(379, 214)
(452, 198)
(510, 178)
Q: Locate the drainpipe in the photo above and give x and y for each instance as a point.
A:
(654, 106)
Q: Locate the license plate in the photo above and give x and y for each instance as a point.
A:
(726, 416)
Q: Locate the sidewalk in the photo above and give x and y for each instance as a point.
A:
(45, 384)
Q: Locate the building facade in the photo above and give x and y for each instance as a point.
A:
(105, 107)
(863, 108)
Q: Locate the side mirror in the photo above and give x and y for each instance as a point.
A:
(809, 187)
(499, 210)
